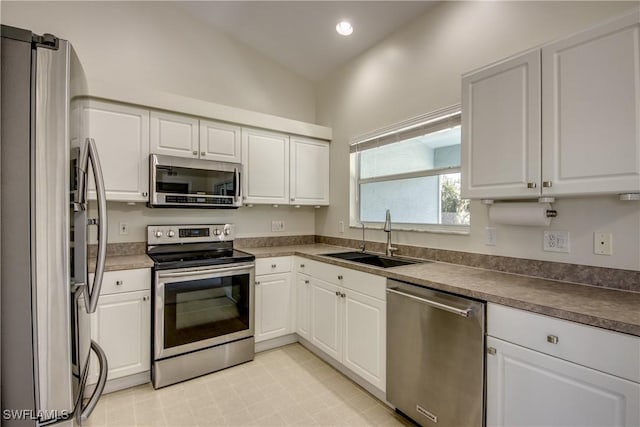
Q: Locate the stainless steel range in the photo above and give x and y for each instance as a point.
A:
(203, 305)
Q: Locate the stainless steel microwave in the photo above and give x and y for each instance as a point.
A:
(177, 182)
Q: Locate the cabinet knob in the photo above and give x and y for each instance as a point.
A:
(552, 339)
(145, 194)
(531, 185)
(306, 282)
(547, 184)
(337, 293)
(293, 200)
(340, 277)
(491, 350)
(195, 153)
(343, 295)
(202, 153)
(145, 298)
(118, 282)
(273, 265)
(257, 282)
(301, 265)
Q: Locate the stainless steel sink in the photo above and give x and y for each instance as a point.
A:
(373, 259)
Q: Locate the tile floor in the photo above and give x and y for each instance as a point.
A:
(287, 386)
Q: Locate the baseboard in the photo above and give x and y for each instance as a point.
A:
(121, 383)
(276, 342)
(377, 393)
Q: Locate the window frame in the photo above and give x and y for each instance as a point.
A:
(391, 134)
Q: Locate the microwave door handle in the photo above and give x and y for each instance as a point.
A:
(94, 293)
(236, 182)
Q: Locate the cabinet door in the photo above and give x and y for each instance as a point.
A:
(122, 138)
(303, 306)
(309, 172)
(265, 156)
(365, 337)
(326, 319)
(273, 306)
(174, 135)
(525, 387)
(591, 111)
(501, 129)
(121, 325)
(220, 141)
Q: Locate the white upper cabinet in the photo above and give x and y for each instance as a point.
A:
(309, 171)
(121, 134)
(561, 120)
(265, 156)
(174, 135)
(219, 141)
(501, 129)
(591, 111)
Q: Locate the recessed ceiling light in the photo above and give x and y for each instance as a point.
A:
(344, 28)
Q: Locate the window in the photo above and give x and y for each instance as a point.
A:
(412, 169)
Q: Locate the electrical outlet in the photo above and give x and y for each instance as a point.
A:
(277, 225)
(341, 226)
(123, 228)
(602, 243)
(555, 241)
(490, 236)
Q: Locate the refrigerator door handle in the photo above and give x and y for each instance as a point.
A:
(94, 293)
(87, 409)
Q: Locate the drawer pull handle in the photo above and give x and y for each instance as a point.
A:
(273, 266)
(340, 277)
(491, 350)
(552, 339)
(119, 282)
(531, 185)
(257, 282)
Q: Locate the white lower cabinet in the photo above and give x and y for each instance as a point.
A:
(347, 310)
(121, 324)
(273, 306)
(544, 386)
(274, 298)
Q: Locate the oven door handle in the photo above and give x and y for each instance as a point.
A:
(209, 271)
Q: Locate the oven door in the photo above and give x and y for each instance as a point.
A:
(202, 307)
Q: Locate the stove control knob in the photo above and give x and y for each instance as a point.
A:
(171, 233)
(227, 231)
(216, 232)
(158, 234)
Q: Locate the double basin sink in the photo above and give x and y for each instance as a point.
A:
(373, 259)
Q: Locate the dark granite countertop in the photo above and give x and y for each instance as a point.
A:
(595, 306)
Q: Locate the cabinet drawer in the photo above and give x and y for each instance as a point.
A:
(368, 284)
(114, 282)
(607, 351)
(280, 264)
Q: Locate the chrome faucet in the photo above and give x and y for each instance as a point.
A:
(389, 250)
(362, 245)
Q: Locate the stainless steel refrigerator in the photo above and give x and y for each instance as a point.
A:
(46, 299)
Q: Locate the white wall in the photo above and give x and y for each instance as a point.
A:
(417, 70)
(249, 222)
(159, 47)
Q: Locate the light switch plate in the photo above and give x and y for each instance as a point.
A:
(555, 241)
(123, 228)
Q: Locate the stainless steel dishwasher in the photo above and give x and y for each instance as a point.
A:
(435, 356)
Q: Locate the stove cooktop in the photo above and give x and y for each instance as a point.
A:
(174, 260)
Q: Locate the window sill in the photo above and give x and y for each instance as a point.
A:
(460, 230)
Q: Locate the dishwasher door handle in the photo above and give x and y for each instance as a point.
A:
(459, 311)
